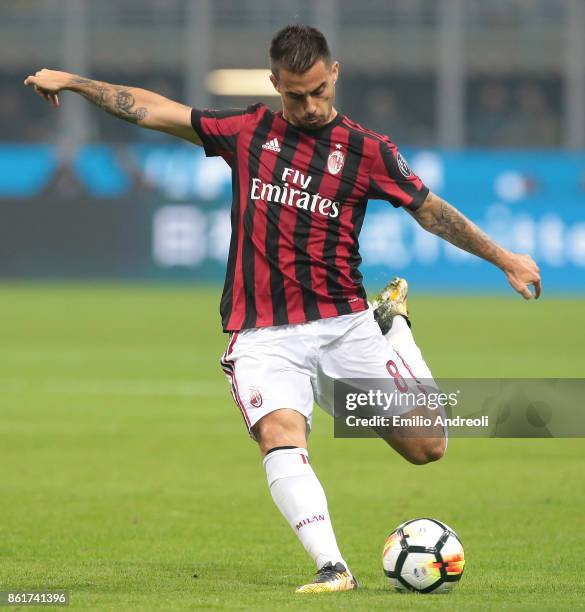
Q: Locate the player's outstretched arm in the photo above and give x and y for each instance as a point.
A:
(140, 106)
(444, 220)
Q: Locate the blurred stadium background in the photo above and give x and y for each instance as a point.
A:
(487, 99)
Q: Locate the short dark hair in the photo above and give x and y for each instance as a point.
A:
(297, 48)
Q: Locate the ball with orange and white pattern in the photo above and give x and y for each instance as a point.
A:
(423, 555)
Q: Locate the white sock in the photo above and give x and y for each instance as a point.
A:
(402, 340)
(300, 497)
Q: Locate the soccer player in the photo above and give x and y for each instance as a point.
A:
(293, 300)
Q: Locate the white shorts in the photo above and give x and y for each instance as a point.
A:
(293, 366)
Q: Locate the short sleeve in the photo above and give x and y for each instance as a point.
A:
(392, 179)
(219, 129)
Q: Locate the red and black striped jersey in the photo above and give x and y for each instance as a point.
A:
(299, 200)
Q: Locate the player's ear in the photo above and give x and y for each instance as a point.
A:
(274, 82)
(335, 71)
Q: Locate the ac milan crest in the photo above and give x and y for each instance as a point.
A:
(403, 166)
(335, 161)
(255, 398)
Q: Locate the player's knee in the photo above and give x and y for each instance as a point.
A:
(268, 433)
(427, 451)
(280, 428)
(435, 449)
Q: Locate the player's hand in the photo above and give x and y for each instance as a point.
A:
(48, 83)
(521, 272)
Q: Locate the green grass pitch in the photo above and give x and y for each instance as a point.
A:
(128, 478)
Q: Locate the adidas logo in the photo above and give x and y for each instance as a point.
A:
(272, 145)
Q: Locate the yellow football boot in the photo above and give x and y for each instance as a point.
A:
(391, 301)
(330, 579)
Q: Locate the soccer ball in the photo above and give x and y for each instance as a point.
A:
(423, 555)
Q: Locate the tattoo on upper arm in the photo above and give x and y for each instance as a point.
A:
(444, 220)
(114, 99)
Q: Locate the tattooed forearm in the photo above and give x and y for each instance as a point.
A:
(114, 99)
(444, 220)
